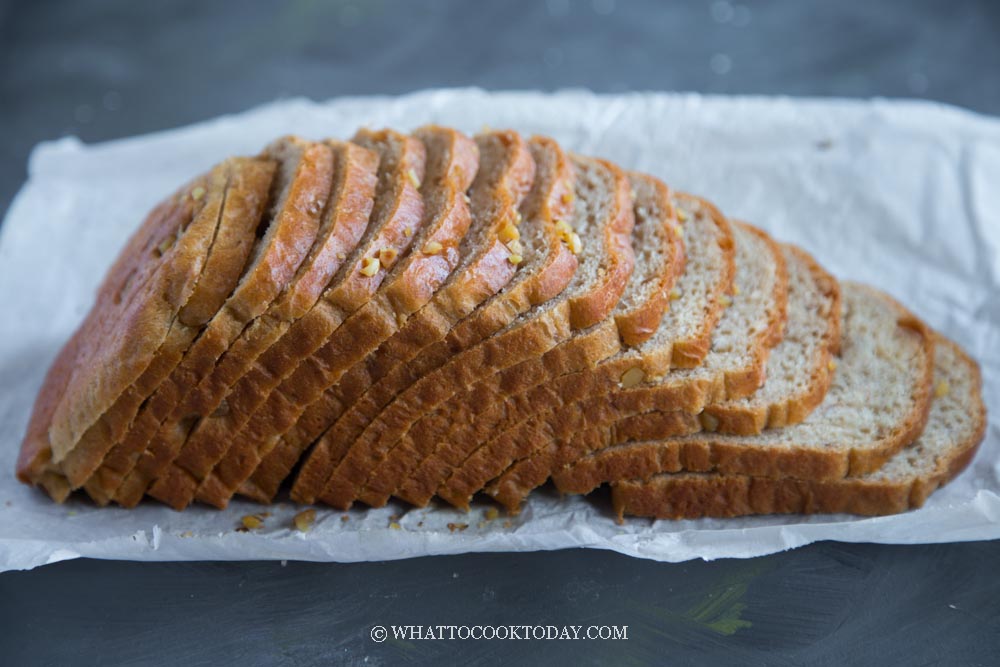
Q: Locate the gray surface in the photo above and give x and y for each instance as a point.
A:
(109, 69)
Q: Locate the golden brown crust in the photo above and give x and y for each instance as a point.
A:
(138, 316)
(130, 271)
(244, 198)
(378, 459)
(426, 338)
(263, 271)
(344, 222)
(266, 395)
(412, 283)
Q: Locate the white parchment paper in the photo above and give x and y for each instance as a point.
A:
(905, 195)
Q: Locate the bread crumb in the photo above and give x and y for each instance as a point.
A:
(682, 215)
(394, 525)
(457, 526)
(407, 232)
(567, 198)
(345, 518)
(187, 533)
(304, 520)
(725, 300)
(251, 522)
(831, 365)
(941, 389)
(197, 193)
(492, 513)
(432, 248)
(675, 294)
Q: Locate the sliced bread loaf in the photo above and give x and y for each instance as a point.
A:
(955, 427)
(136, 306)
(411, 283)
(604, 217)
(876, 405)
(239, 214)
(427, 340)
(472, 417)
(741, 342)
(343, 223)
(487, 279)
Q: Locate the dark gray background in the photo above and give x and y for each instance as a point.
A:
(109, 69)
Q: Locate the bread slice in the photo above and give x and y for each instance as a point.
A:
(876, 405)
(343, 223)
(486, 283)
(741, 342)
(137, 305)
(240, 213)
(955, 428)
(411, 283)
(485, 276)
(249, 275)
(397, 209)
(603, 216)
(472, 417)
(799, 370)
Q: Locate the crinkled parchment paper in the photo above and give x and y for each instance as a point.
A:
(905, 195)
